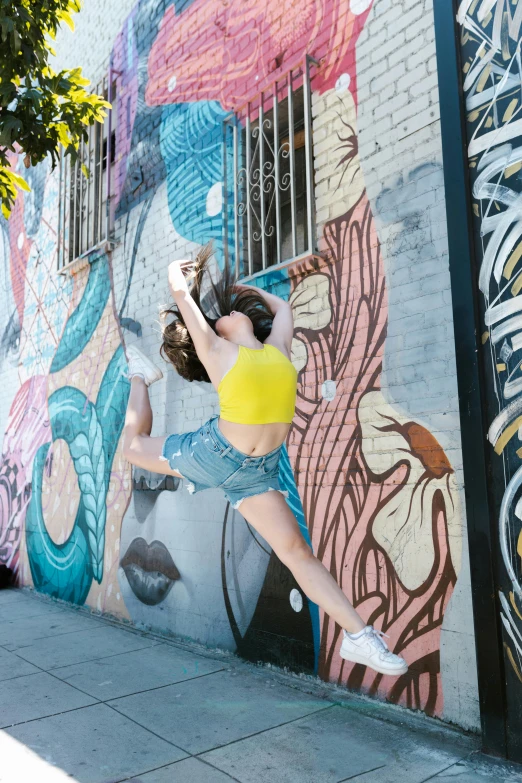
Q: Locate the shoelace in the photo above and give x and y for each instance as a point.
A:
(378, 636)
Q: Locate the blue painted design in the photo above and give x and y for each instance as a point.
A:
(277, 281)
(287, 481)
(191, 138)
(111, 404)
(61, 570)
(55, 567)
(82, 324)
(192, 145)
(92, 433)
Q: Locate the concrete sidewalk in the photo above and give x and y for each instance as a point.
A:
(93, 700)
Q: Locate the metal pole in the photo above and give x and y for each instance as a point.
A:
(310, 202)
(88, 211)
(292, 162)
(81, 197)
(248, 166)
(60, 208)
(67, 216)
(236, 199)
(97, 182)
(225, 196)
(75, 212)
(100, 216)
(109, 151)
(66, 246)
(262, 180)
(277, 176)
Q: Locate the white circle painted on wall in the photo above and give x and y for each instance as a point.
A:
(329, 390)
(215, 199)
(342, 83)
(20, 242)
(359, 6)
(296, 600)
(171, 86)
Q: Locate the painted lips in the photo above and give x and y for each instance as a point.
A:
(150, 570)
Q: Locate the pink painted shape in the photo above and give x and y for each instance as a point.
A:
(231, 52)
(340, 495)
(27, 429)
(125, 68)
(19, 246)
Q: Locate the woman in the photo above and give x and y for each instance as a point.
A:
(245, 353)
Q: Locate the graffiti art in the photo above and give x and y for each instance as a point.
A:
(491, 40)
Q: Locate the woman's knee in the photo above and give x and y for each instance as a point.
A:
(131, 447)
(128, 452)
(294, 551)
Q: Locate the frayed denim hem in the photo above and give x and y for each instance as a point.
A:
(164, 449)
(163, 458)
(284, 492)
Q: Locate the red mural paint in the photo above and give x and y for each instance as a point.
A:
(342, 496)
(233, 52)
(26, 430)
(19, 247)
(125, 72)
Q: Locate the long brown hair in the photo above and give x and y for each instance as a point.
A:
(223, 297)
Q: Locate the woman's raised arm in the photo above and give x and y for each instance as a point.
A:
(283, 323)
(204, 337)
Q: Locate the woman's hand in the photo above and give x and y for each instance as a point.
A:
(186, 265)
(203, 335)
(178, 272)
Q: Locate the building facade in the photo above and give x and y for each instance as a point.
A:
(304, 139)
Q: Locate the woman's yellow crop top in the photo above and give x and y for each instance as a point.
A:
(260, 388)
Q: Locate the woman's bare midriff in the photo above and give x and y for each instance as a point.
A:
(254, 439)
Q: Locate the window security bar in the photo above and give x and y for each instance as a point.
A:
(84, 202)
(268, 174)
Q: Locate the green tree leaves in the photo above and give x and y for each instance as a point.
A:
(41, 110)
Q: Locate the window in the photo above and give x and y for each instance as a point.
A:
(84, 212)
(268, 189)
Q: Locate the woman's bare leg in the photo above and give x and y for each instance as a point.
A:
(138, 447)
(138, 419)
(271, 516)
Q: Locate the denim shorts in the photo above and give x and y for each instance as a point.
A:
(206, 459)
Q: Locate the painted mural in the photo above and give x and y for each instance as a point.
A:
(60, 488)
(491, 39)
(374, 494)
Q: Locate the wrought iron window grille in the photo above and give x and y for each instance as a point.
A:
(269, 206)
(84, 216)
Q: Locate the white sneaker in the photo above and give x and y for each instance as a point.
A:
(139, 365)
(369, 648)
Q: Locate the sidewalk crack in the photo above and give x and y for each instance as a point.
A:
(360, 774)
(435, 774)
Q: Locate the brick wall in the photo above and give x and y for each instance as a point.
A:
(400, 148)
(372, 463)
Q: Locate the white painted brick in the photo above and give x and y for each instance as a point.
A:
(424, 85)
(391, 76)
(397, 55)
(411, 78)
(418, 346)
(404, 21)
